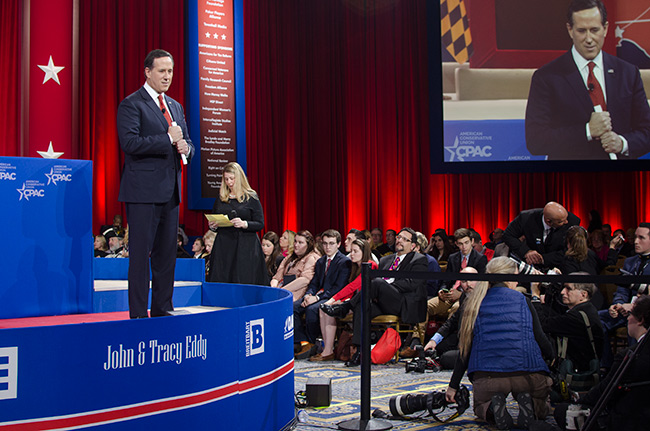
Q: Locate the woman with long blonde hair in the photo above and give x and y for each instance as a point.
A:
(502, 347)
(237, 255)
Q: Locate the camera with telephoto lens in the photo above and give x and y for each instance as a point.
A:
(402, 405)
(523, 267)
(425, 361)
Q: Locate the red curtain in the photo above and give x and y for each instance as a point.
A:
(336, 111)
(10, 58)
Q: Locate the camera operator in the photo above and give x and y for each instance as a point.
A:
(627, 409)
(576, 296)
(625, 295)
(445, 341)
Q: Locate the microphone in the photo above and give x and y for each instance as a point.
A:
(183, 157)
(164, 111)
(591, 87)
(232, 214)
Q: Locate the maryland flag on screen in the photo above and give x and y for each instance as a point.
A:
(454, 28)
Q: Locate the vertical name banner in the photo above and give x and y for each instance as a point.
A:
(213, 95)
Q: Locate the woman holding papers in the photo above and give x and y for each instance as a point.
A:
(237, 253)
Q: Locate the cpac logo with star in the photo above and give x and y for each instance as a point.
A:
(460, 152)
(30, 193)
(53, 177)
(51, 71)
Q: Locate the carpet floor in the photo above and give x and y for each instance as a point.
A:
(386, 381)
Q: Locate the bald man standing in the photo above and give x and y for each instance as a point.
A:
(545, 231)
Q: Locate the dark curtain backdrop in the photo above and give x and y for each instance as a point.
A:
(337, 98)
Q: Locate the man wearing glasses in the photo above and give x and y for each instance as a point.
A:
(331, 273)
(404, 297)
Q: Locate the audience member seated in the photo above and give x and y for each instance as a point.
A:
(377, 238)
(272, 253)
(181, 253)
(101, 248)
(571, 324)
(465, 256)
(626, 248)
(595, 221)
(403, 297)
(115, 243)
(597, 244)
(198, 248)
(625, 295)
(331, 273)
(502, 347)
(478, 245)
(334, 307)
(432, 265)
(627, 408)
(607, 231)
(117, 226)
(389, 247)
(439, 247)
(496, 238)
(208, 240)
(544, 231)
(296, 270)
(356, 234)
(579, 257)
(286, 241)
(445, 340)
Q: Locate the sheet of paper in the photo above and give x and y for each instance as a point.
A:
(221, 219)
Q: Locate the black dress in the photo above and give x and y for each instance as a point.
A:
(237, 255)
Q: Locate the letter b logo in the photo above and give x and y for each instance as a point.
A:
(255, 337)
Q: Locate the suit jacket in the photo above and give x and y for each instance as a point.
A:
(151, 171)
(559, 107)
(476, 261)
(332, 281)
(529, 223)
(414, 291)
(634, 266)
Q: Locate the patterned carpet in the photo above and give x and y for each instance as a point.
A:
(387, 381)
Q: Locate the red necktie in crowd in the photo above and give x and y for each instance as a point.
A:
(595, 90)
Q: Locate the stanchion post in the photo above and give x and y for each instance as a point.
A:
(365, 422)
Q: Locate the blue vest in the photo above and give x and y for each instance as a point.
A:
(503, 335)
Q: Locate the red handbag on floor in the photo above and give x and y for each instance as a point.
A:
(386, 347)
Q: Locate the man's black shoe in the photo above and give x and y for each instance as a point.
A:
(355, 360)
(337, 310)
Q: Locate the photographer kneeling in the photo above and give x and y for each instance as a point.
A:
(627, 409)
(501, 346)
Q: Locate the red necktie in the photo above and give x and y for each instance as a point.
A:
(463, 264)
(329, 261)
(164, 110)
(595, 90)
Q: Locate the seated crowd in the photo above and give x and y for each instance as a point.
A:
(467, 324)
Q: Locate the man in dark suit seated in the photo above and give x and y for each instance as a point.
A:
(587, 104)
(545, 231)
(331, 273)
(403, 297)
(154, 137)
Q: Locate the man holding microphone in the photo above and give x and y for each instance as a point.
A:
(155, 140)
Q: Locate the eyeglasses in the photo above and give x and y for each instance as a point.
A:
(403, 238)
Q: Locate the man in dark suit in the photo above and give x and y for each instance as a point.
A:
(404, 297)
(587, 104)
(545, 231)
(153, 135)
(331, 273)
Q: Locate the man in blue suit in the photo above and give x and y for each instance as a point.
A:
(587, 104)
(154, 137)
(331, 273)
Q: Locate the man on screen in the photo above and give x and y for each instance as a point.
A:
(587, 104)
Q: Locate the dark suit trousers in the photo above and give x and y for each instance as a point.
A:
(384, 299)
(311, 329)
(153, 230)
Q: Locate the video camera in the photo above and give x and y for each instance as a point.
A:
(426, 361)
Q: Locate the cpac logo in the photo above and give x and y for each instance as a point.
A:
(54, 177)
(255, 337)
(8, 176)
(288, 327)
(30, 193)
(8, 373)
(462, 151)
